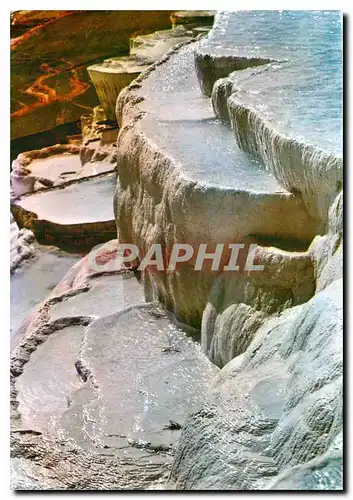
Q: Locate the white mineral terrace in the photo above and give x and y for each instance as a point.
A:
(302, 92)
(55, 166)
(112, 75)
(65, 167)
(34, 280)
(181, 122)
(78, 203)
(136, 378)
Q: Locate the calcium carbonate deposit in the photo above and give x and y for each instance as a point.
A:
(193, 377)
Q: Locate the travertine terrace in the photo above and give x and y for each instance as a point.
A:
(129, 379)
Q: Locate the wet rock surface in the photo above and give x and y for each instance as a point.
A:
(177, 119)
(192, 191)
(70, 204)
(21, 245)
(274, 407)
(112, 387)
(106, 294)
(116, 391)
(327, 250)
(49, 379)
(50, 164)
(239, 304)
(32, 281)
(76, 215)
(111, 392)
(55, 165)
(60, 168)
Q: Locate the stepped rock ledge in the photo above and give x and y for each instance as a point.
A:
(186, 380)
(187, 177)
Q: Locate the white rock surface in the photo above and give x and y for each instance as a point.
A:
(273, 408)
(182, 179)
(287, 112)
(112, 75)
(240, 303)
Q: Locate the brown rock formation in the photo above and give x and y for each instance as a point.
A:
(49, 81)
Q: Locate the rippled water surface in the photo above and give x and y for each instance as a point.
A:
(305, 93)
(145, 373)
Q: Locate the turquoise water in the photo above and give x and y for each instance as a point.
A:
(279, 34)
(303, 94)
(300, 94)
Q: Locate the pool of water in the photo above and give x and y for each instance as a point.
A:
(181, 121)
(34, 281)
(304, 92)
(87, 201)
(146, 371)
(49, 379)
(107, 294)
(56, 166)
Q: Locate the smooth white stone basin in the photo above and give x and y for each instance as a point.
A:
(181, 121)
(34, 281)
(107, 295)
(78, 203)
(55, 166)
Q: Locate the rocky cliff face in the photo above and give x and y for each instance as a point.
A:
(274, 417)
(274, 407)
